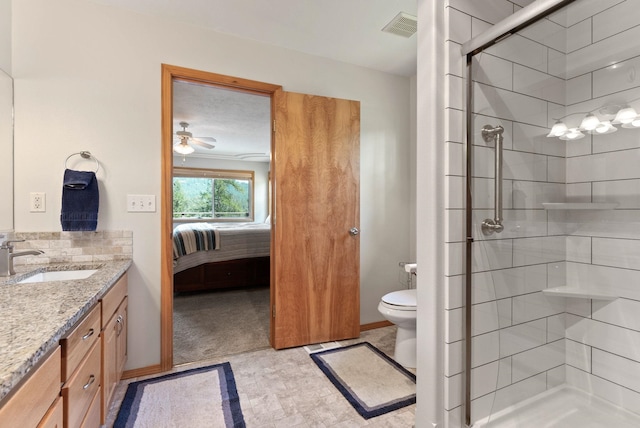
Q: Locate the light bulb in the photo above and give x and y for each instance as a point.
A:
(604, 127)
(626, 115)
(573, 134)
(590, 122)
(559, 129)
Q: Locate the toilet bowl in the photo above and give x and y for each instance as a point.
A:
(399, 307)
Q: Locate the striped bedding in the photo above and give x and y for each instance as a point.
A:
(192, 237)
(234, 241)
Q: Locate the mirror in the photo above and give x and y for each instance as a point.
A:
(6, 154)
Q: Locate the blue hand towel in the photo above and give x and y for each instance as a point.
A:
(80, 201)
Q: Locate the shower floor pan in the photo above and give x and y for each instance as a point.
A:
(562, 407)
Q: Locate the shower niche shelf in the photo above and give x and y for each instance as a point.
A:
(579, 205)
(579, 292)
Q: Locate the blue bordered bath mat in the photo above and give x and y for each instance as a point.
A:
(373, 383)
(201, 397)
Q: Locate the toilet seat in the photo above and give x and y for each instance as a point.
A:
(401, 300)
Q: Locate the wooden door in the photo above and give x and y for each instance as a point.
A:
(315, 282)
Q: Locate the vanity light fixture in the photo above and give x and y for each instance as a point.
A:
(572, 134)
(625, 116)
(559, 129)
(590, 122)
(604, 127)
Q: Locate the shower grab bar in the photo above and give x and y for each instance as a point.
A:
(491, 226)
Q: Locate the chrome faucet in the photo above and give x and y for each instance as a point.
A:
(7, 255)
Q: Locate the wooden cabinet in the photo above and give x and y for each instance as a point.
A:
(220, 275)
(67, 389)
(31, 404)
(114, 341)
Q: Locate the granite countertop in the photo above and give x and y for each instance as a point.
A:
(35, 316)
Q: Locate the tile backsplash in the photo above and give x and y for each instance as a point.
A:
(75, 247)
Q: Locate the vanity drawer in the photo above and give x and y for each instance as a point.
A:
(77, 343)
(53, 418)
(92, 418)
(112, 299)
(82, 387)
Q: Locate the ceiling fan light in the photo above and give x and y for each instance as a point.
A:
(183, 148)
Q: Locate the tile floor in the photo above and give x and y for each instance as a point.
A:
(286, 389)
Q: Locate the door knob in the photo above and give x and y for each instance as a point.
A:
(354, 231)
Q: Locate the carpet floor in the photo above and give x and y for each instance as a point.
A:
(217, 323)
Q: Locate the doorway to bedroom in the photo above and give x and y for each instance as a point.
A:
(314, 258)
(221, 205)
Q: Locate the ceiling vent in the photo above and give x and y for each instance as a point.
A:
(403, 24)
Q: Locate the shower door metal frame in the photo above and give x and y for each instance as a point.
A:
(500, 31)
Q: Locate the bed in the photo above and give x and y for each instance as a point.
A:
(211, 256)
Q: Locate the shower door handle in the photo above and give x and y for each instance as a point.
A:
(494, 225)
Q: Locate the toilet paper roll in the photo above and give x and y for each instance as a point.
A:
(411, 267)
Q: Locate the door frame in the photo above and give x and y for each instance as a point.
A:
(169, 73)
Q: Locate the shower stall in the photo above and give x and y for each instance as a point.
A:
(553, 218)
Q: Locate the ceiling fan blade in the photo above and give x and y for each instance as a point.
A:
(202, 144)
(209, 139)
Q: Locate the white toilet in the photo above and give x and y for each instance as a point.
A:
(399, 307)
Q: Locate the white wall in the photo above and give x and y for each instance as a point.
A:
(5, 35)
(260, 178)
(88, 78)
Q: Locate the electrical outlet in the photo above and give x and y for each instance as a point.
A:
(37, 202)
(141, 203)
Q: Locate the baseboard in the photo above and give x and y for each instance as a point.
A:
(374, 325)
(143, 371)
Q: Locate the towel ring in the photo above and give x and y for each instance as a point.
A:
(85, 154)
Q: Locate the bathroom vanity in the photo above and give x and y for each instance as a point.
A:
(63, 346)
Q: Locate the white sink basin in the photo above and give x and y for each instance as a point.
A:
(63, 275)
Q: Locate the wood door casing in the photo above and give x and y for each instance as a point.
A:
(316, 261)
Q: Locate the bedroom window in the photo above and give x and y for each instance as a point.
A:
(212, 195)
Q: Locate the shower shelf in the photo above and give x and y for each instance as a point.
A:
(583, 293)
(579, 205)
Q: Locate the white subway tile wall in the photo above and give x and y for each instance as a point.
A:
(525, 342)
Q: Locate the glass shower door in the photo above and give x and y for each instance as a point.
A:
(552, 305)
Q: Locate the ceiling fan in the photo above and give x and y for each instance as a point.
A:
(183, 146)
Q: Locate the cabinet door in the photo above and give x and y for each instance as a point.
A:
(121, 340)
(109, 363)
(114, 342)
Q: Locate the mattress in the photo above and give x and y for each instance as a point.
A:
(237, 241)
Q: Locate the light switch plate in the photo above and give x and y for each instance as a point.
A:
(141, 203)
